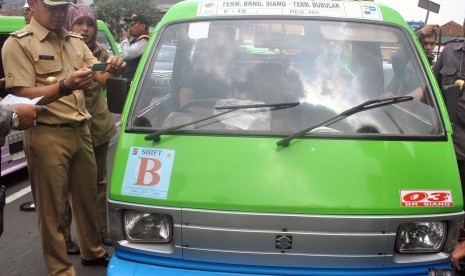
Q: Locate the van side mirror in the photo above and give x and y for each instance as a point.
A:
(117, 91)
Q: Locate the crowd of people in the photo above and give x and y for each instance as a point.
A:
(73, 127)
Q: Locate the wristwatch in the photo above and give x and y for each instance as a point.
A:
(64, 90)
(14, 124)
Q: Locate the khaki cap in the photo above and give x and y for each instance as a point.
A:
(57, 3)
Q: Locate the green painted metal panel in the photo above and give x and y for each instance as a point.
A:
(103, 27)
(311, 176)
(9, 24)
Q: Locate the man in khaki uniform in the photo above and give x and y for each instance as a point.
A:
(45, 60)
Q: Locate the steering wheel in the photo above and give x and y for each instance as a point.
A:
(325, 129)
(207, 102)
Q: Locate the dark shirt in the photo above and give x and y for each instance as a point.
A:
(405, 79)
(449, 67)
(206, 84)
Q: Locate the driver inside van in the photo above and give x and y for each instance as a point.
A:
(405, 81)
(209, 76)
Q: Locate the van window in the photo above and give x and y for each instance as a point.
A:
(103, 39)
(325, 66)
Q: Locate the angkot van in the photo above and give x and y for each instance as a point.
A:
(285, 138)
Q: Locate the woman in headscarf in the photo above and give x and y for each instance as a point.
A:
(81, 20)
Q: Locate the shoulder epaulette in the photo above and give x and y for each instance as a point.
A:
(75, 35)
(20, 34)
(461, 40)
(143, 37)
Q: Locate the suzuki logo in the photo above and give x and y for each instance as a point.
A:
(284, 242)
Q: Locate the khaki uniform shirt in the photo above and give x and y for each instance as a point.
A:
(102, 125)
(36, 53)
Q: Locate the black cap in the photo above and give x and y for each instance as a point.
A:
(137, 18)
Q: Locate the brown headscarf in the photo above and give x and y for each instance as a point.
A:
(79, 11)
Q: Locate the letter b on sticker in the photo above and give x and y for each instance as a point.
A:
(148, 172)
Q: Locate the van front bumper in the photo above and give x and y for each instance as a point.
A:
(130, 263)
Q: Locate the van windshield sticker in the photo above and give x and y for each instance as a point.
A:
(198, 30)
(426, 198)
(148, 172)
(290, 7)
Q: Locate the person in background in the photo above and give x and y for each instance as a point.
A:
(405, 81)
(132, 50)
(209, 75)
(427, 36)
(449, 70)
(457, 255)
(27, 13)
(82, 20)
(58, 149)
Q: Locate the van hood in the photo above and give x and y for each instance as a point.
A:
(317, 176)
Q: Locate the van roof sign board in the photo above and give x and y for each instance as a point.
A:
(291, 8)
(429, 5)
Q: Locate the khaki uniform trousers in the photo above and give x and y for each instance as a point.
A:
(62, 169)
(100, 153)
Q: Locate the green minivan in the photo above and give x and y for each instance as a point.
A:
(282, 138)
(105, 37)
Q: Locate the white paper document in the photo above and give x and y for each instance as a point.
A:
(12, 99)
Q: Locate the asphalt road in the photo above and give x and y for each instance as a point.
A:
(20, 246)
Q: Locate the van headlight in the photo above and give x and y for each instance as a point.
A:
(147, 227)
(416, 237)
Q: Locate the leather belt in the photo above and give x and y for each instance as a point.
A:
(72, 125)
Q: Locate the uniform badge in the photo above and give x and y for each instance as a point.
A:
(20, 34)
(46, 57)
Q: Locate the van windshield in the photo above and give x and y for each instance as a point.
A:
(326, 66)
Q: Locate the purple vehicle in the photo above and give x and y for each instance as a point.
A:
(13, 157)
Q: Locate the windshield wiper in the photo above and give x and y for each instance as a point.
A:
(155, 136)
(362, 107)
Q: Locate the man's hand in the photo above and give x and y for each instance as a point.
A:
(457, 255)
(428, 30)
(116, 65)
(79, 79)
(125, 33)
(27, 114)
